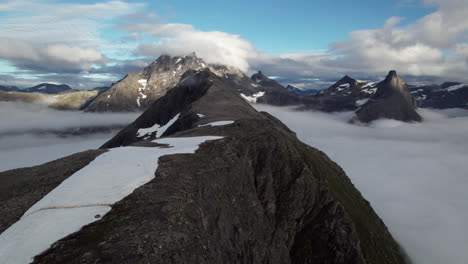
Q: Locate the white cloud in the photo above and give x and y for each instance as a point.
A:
(49, 57)
(434, 45)
(419, 48)
(51, 36)
(414, 175)
(182, 39)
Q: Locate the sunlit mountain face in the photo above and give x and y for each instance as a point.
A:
(235, 132)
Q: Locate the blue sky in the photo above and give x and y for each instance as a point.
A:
(89, 43)
(278, 26)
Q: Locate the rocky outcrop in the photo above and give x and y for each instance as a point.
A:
(392, 101)
(258, 195)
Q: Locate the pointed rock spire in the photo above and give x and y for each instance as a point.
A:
(392, 101)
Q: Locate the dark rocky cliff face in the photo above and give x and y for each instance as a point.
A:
(392, 100)
(258, 195)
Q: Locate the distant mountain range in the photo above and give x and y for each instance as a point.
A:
(137, 91)
(446, 95)
(8, 88)
(301, 92)
(48, 88)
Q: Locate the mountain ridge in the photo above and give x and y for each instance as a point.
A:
(255, 194)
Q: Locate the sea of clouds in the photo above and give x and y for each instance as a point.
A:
(414, 175)
(28, 133)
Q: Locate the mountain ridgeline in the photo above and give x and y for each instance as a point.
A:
(255, 195)
(137, 91)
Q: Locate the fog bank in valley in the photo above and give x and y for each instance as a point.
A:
(414, 175)
(28, 133)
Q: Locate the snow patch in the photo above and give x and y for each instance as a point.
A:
(345, 85)
(157, 128)
(218, 123)
(33, 234)
(455, 87)
(178, 60)
(143, 82)
(370, 91)
(200, 115)
(141, 95)
(421, 97)
(86, 196)
(254, 97)
(371, 84)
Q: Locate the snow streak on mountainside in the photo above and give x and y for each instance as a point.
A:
(86, 196)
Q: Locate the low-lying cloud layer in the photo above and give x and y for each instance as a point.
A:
(22, 146)
(414, 175)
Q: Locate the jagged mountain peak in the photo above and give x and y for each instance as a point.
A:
(392, 101)
(393, 83)
(347, 78)
(137, 91)
(259, 77)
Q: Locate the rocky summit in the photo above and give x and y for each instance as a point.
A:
(137, 91)
(392, 100)
(252, 194)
